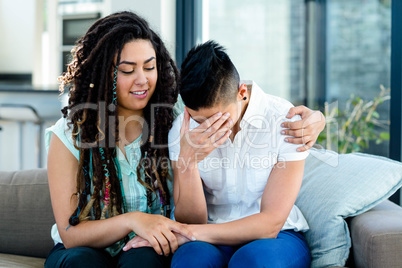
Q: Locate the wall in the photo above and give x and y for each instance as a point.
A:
(161, 15)
(17, 27)
(41, 57)
(264, 40)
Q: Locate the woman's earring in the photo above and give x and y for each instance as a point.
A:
(245, 98)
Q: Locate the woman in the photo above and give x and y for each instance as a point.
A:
(236, 178)
(107, 179)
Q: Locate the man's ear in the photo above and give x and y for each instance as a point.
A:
(242, 93)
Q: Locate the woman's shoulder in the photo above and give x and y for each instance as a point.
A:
(64, 132)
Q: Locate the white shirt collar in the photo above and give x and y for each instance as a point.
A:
(255, 105)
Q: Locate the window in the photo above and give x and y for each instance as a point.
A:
(265, 40)
(313, 51)
(358, 53)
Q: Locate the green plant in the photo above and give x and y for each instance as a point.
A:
(351, 130)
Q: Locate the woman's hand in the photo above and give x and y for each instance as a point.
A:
(305, 131)
(198, 143)
(138, 242)
(159, 231)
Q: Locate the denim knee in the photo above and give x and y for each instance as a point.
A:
(77, 257)
(288, 250)
(201, 254)
(142, 257)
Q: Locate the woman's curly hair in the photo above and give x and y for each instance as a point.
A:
(94, 120)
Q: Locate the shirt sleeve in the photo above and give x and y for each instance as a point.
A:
(174, 138)
(287, 151)
(63, 132)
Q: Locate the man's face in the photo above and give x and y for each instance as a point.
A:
(233, 109)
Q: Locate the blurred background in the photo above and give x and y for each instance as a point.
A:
(339, 56)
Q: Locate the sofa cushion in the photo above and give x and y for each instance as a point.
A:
(26, 213)
(377, 236)
(11, 260)
(337, 186)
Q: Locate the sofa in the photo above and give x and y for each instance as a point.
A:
(26, 219)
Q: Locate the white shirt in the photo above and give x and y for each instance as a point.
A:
(235, 174)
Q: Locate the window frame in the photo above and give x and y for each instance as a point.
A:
(188, 27)
(395, 144)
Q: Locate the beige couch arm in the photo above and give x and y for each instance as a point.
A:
(377, 237)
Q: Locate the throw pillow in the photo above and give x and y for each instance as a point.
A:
(336, 186)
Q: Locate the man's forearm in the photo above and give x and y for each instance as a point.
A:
(189, 199)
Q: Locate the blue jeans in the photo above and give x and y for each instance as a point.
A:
(86, 257)
(289, 249)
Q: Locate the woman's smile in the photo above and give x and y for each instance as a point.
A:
(140, 94)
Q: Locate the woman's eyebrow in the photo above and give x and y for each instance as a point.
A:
(134, 63)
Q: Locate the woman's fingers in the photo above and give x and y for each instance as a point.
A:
(163, 243)
(173, 243)
(296, 140)
(157, 232)
(300, 110)
(307, 146)
(144, 243)
(136, 242)
(167, 240)
(305, 131)
(183, 230)
(155, 244)
(163, 236)
(293, 125)
(309, 118)
(299, 133)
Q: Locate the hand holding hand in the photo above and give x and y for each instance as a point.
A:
(138, 242)
(159, 231)
(305, 131)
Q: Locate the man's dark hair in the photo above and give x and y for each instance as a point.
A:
(208, 77)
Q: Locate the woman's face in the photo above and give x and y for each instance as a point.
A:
(136, 76)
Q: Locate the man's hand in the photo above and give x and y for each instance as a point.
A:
(198, 143)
